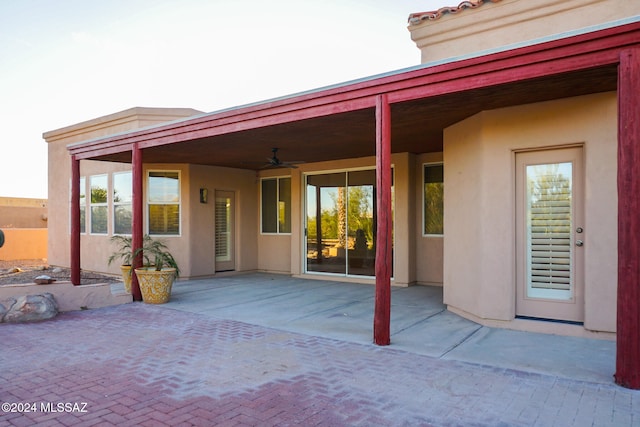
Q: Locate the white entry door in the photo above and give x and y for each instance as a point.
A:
(224, 231)
(550, 234)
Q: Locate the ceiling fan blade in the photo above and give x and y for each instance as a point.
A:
(275, 162)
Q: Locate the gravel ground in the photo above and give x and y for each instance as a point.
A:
(25, 271)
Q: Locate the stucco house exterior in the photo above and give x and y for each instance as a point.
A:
(503, 168)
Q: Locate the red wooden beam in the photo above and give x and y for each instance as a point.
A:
(628, 328)
(74, 263)
(136, 221)
(384, 236)
(90, 151)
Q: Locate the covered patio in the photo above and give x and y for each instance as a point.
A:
(406, 112)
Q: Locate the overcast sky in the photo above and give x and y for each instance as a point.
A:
(66, 61)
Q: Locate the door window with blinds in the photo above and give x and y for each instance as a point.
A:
(223, 229)
(224, 235)
(549, 234)
(163, 199)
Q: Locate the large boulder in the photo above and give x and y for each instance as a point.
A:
(29, 308)
(5, 306)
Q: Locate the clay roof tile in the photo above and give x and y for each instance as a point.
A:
(417, 18)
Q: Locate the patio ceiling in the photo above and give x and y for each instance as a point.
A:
(416, 126)
(339, 122)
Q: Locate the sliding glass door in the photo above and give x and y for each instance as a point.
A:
(325, 214)
(340, 223)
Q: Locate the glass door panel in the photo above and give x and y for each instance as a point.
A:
(326, 223)
(361, 223)
(549, 231)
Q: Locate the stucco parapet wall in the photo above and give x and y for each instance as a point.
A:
(510, 22)
(68, 296)
(23, 202)
(122, 121)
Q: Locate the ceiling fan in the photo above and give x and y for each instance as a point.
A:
(275, 162)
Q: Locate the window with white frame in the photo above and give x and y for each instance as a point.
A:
(99, 210)
(122, 203)
(433, 196)
(163, 200)
(276, 205)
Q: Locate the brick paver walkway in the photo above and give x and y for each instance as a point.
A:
(150, 365)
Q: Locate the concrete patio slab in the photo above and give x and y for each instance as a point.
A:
(420, 323)
(435, 336)
(567, 357)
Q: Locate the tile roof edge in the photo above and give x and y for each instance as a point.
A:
(417, 18)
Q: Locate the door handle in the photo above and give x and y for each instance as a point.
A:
(579, 243)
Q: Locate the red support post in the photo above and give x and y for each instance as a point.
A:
(382, 311)
(74, 262)
(136, 222)
(628, 321)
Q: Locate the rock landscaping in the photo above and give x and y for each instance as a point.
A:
(31, 290)
(28, 308)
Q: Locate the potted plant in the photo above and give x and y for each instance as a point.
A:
(159, 273)
(124, 253)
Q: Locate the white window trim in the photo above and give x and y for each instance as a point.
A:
(277, 179)
(422, 191)
(179, 203)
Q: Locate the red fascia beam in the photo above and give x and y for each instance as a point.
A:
(225, 124)
(518, 65)
(223, 127)
(485, 77)
(384, 235)
(628, 321)
(83, 152)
